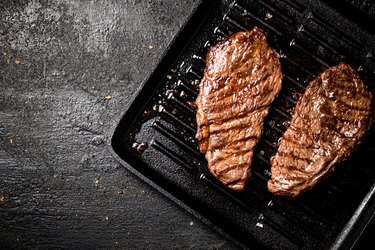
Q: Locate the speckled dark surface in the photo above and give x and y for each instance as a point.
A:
(68, 70)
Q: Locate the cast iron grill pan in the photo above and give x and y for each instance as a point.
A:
(156, 134)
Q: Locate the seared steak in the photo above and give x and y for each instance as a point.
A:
(330, 120)
(241, 79)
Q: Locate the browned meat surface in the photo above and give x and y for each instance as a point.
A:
(241, 79)
(330, 120)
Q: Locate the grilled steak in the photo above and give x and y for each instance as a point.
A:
(330, 120)
(241, 79)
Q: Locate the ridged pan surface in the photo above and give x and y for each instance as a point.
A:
(156, 136)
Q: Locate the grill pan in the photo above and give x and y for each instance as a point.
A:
(156, 134)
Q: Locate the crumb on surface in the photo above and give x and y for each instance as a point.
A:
(97, 182)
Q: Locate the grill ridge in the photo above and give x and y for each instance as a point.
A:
(246, 12)
(275, 12)
(281, 229)
(176, 138)
(340, 36)
(296, 5)
(332, 51)
(169, 153)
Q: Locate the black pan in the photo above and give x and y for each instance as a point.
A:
(156, 134)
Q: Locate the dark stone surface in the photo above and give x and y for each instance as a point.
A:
(68, 70)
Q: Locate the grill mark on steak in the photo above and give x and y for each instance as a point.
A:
(237, 154)
(222, 92)
(241, 79)
(218, 118)
(349, 118)
(307, 130)
(223, 145)
(218, 105)
(232, 167)
(237, 125)
(295, 143)
(290, 155)
(233, 182)
(348, 121)
(230, 118)
(348, 106)
(336, 123)
(328, 123)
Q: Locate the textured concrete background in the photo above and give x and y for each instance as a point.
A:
(68, 70)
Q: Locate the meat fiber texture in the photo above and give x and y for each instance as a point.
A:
(330, 119)
(241, 79)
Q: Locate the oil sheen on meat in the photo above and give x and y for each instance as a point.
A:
(330, 120)
(241, 79)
